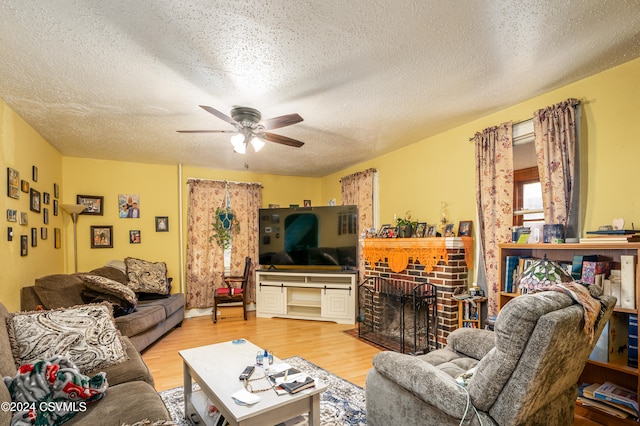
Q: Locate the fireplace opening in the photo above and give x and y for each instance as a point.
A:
(398, 315)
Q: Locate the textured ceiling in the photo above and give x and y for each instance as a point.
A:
(116, 79)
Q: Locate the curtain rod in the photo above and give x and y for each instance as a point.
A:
(225, 181)
(527, 119)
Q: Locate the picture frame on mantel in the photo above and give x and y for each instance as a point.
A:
(464, 228)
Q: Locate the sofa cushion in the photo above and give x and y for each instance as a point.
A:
(171, 304)
(144, 317)
(59, 290)
(85, 334)
(133, 369)
(147, 277)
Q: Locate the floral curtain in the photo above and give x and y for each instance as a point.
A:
(245, 199)
(494, 199)
(205, 259)
(555, 143)
(358, 190)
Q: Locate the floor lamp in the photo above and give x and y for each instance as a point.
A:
(74, 210)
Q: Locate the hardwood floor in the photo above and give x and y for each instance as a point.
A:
(322, 343)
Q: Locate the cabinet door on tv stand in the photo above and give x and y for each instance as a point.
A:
(337, 306)
(270, 299)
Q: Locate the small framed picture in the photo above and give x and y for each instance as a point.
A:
(94, 204)
(44, 233)
(24, 245)
(34, 173)
(56, 191)
(448, 230)
(34, 197)
(13, 183)
(102, 237)
(464, 228)
(23, 218)
(46, 198)
(421, 227)
(24, 186)
(162, 223)
(134, 236)
(45, 215)
(34, 237)
(384, 230)
(55, 207)
(57, 238)
(430, 231)
(307, 203)
(12, 215)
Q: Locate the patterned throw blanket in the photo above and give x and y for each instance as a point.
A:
(52, 391)
(581, 295)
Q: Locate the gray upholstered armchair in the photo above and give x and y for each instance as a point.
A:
(526, 372)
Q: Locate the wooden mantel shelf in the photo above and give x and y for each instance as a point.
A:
(428, 251)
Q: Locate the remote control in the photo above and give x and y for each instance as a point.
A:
(247, 372)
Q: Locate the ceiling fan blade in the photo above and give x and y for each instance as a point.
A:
(272, 137)
(282, 121)
(220, 115)
(207, 131)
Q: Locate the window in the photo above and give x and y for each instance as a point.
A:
(527, 197)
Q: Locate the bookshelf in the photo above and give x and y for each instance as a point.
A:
(594, 371)
(470, 317)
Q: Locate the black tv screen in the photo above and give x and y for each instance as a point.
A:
(324, 236)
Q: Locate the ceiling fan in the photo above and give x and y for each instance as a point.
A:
(250, 128)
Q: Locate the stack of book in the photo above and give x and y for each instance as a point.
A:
(614, 236)
(291, 380)
(610, 398)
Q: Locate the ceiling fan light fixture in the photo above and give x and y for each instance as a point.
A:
(238, 143)
(257, 144)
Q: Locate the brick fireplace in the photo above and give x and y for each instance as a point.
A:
(441, 262)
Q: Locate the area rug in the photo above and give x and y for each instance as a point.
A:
(341, 404)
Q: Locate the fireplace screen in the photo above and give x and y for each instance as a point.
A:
(399, 316)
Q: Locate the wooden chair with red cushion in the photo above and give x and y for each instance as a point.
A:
(234, 292)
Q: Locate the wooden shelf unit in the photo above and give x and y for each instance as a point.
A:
(462, 322)
(594, 371)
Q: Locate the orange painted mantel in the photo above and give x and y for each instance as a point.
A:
(428, 251)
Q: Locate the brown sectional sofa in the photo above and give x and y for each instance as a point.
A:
(154, 315)
(130, 397)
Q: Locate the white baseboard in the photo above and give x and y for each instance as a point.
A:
(203, 312)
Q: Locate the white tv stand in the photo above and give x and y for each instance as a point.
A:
(312, 295)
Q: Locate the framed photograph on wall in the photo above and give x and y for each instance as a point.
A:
(44, 233)
(94, 204)
(24, 186)
(24, 245)
(162, 223)
(134, 236)
(129, 205)
(464, 228)
(13, 183)
(12, 215)
(34, 200)
(101, 236)
(34, 237)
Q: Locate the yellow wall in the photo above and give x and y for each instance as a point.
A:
(416, 178)
(21, 149)
(441, 168)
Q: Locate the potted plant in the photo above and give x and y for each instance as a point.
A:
(224, 226)
(405, 226)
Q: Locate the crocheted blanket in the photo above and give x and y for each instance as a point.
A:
(581, 295)
(51, 391)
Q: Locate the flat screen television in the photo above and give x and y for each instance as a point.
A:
(308, 237)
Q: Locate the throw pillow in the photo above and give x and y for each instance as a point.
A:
(109, 286)
(147, 277)
(102, 289)
(111, 273)
(85, 334)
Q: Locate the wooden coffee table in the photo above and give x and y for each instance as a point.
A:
(216, 369)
